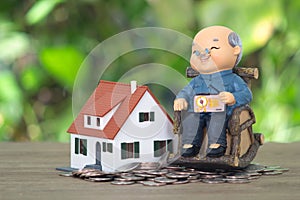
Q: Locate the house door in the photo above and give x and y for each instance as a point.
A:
(98, 153)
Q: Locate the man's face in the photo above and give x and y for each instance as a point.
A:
(211, 51)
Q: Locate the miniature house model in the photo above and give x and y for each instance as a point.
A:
(120, 124)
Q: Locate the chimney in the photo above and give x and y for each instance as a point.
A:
(133, 86)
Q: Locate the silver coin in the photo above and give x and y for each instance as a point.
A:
(121, 179)
(133, 178)
(139, 171)
(251, 171)
(265, 170)
(273, 167)
(194, 177)
(146, 175)
(126, 174)
(273, 173)
(211, 176)
(181, 182)
(79, 172)
(254, 177)
(157, 172)
(103, 179)
(213, 181)
(86, 170)
(191, 170)
(175, 167)
(164, 180)
(253, 174)
(150, 179)
(254, 167)
(152, 183)
(66, 174)
(237, 181)
(282, 169)
(177, 176)
(238, 176)
(207, 173)
(189, 173)
(94, 174)
(122, 182)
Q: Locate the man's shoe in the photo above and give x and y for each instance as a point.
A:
(216, 152)
(190, 152)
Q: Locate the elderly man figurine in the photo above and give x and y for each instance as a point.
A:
(216, 50)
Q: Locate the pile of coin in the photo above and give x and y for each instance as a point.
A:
(147, 174)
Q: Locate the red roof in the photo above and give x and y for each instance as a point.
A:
(105, 97)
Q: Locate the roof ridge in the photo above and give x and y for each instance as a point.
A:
(120, 83)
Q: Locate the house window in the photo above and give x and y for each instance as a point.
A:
(130, 150)
(76, 145)
(81, 146)
(109, 147)
(160, 147)
(104, 146)
(98, 121)
(89, 120)
(146, 116)
(170, 146)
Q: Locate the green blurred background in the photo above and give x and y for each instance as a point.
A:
(44, 42)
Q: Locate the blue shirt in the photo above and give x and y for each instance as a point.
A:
(214, 84)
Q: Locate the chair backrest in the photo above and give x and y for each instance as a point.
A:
(246, 73)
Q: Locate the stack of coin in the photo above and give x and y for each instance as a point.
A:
(148, 174)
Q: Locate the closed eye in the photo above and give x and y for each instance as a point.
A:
(214, 48)
(196, 52)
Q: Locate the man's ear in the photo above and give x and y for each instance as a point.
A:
(236, 50)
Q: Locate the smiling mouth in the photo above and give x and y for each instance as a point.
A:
(204, 57)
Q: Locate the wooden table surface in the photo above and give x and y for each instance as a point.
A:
(27, 171)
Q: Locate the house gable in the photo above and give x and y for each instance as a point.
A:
(146, 120)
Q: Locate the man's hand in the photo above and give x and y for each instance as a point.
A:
(180, 104)
(227, 98)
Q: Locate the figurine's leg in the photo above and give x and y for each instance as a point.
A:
(191, 138)
(217, 134)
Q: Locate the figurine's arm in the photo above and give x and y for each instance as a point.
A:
(242, 94)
